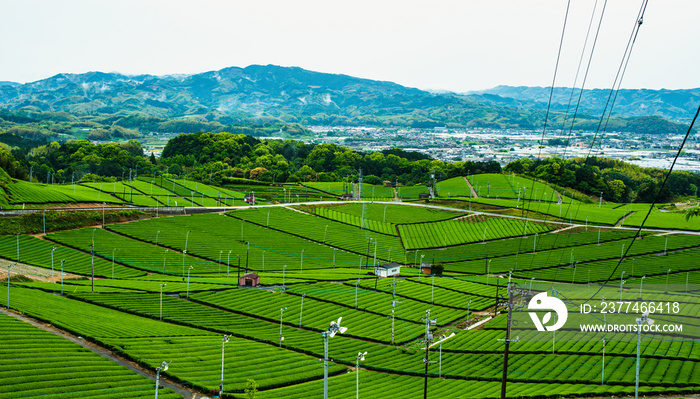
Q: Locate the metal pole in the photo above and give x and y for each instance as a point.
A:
(283, 269)
(301, 312)
(223, 345)
(534, 244)
(165, 254)
(281, 315)
(507, 341)
(622, 252)
(161, 300)
(440, 362)
(468, 314)
(357, 370)
(301, 266)
(325, 364)
(602, 373)
(488, 271)
(375, 253)
(183, 263)
(157, 379)
(393, 309)
(420, 267)
(188, 280)
(554, 334)
(8, 286)
(62, 260)
(426, 360)
(639, 343)
(53, 249)
(247, 256)
(92, 261)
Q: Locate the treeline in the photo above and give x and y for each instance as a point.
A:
(75, 159)
(616, 180)
(222, 156)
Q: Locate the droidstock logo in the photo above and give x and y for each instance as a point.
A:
(542, 302)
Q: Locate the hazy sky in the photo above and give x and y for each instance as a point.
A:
(455, 45)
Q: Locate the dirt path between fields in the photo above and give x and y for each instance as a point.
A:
(35, 273)
(470, 187)
(621, 222)
(187, 394)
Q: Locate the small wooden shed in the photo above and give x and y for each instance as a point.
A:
(389, 270)
(249, 280)
(426, 268)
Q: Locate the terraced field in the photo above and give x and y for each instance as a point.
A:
(316, 264)
(27, 369)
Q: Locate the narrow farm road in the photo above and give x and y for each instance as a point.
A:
(621, 222)
(471, 188)
(187, 394)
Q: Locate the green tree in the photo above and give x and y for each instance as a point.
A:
(617, 190)
(251, 388)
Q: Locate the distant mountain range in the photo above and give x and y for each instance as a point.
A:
(674, 105)
(265, 94)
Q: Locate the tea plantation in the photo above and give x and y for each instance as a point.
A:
(166, 288)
